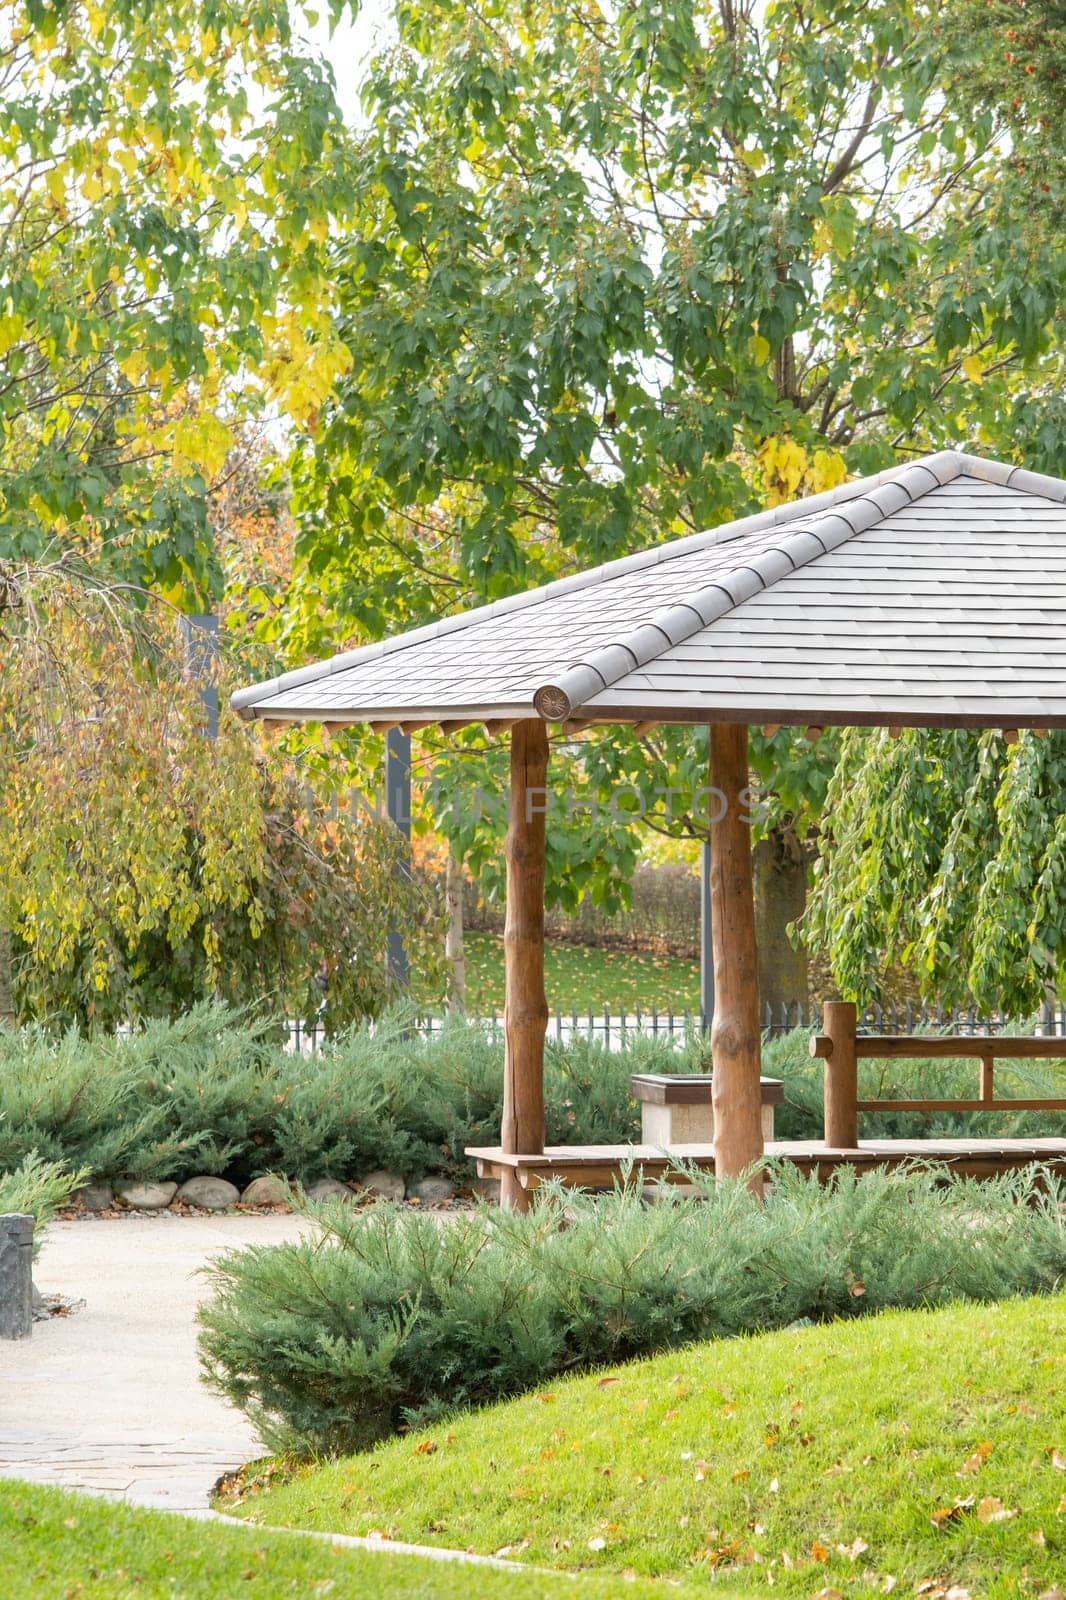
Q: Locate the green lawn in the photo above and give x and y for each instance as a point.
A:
(60, 1546)
(910, 1449)
(580, 978)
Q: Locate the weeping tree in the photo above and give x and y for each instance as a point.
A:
(148, 866)
(945, 853)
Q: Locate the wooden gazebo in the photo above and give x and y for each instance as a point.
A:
(933, 595)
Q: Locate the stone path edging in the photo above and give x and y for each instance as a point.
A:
(354, 1541)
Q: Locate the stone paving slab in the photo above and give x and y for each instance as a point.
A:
(109, 1398)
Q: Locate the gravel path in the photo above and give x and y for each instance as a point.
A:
(109, 1397)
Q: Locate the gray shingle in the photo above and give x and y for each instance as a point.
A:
(933, 593)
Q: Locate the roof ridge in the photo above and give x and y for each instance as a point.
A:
(672, 625)
(784, 515)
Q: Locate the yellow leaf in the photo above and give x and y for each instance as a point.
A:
(761, 349)
(205, 441)
(973, 369)
(11, 330)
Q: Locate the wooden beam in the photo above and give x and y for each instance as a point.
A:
(496, 725)
(735, 1034)
(525, 1015)
(453, 724)
(415, 727)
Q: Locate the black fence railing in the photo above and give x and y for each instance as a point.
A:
(612, 1028)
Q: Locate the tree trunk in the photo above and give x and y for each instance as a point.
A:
(453, 945)
(780, 868)
(735, 1035)
(525, 1015)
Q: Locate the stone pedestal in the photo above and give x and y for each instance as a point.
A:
(675, 1108)
(16, 1282)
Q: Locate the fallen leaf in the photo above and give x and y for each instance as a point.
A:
(607, 1383)
(427, 1447)
(947, 1514)
(741, 1476)
(1037, 1536)
(975, 1462)
(854, 1550)
(819, 1552)
(597, 1543)
(774, 1485)
(1058, 1460)
(992, 1509)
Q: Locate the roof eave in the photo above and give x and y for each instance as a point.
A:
(393, 716)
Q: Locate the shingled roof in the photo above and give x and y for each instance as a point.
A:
(934, 594)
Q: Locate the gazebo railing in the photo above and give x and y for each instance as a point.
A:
(841, 1046)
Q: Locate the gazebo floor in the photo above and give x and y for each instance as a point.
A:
(597, 1166)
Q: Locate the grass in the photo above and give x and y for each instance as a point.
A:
(55, 1545)
(579, 977)
(910, 1449)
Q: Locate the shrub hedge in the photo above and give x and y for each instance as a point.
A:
(37, 1188)
(388, 1318)
(215, 1092)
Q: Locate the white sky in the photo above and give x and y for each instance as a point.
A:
(350, 47)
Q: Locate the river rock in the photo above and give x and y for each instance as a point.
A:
(147, 1196)
(434, 1191)
(214, 1194)
(387, 1185)
(328, 1189)
(95, 1197)
(266, 1191)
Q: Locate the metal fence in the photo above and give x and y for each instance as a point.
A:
(614, 1028)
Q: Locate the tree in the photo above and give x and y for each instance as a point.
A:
(617, 274)
(1011, 54)
(946, 852)
(168, 174)
(147, 866)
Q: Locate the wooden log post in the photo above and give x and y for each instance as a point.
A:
(735, 1033)
(840, 1075)
(525, 1015)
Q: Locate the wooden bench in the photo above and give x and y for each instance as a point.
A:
(599, 1166)
(677, 1124)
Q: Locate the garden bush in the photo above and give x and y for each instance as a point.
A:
(216, 1092)
(387, 1318)
(37, 1188)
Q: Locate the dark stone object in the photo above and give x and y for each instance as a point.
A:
(16, 1283)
